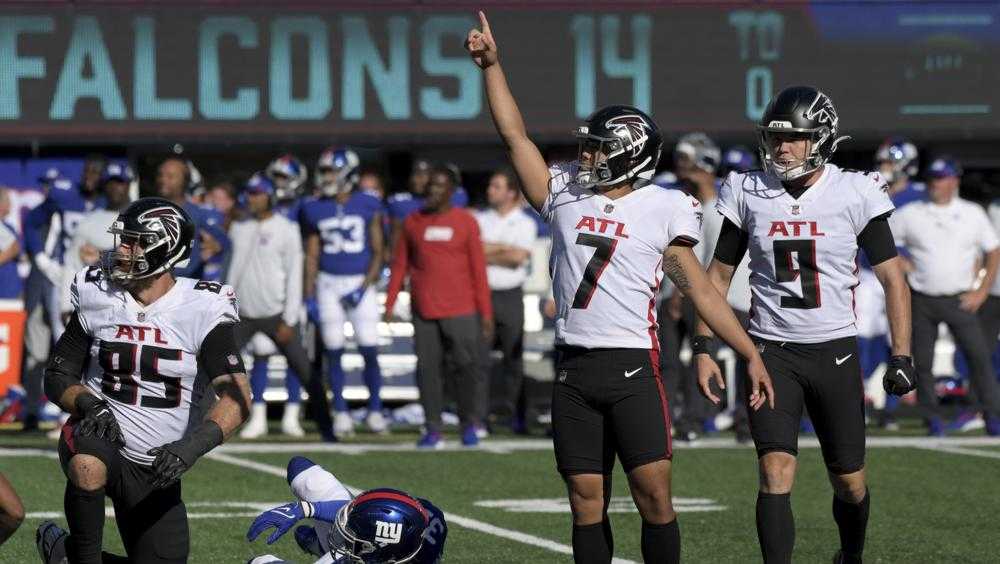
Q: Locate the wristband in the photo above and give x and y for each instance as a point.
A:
(702, 344)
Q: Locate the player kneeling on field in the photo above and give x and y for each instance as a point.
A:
(143, 343)
(379, 526)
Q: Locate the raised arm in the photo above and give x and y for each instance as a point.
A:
(523, 154)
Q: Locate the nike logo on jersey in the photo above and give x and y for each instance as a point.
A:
(630, 373)
(840, 361)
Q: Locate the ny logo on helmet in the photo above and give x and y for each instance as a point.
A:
(388, 533)
(632, 128)
(166, 218)
(822, 110)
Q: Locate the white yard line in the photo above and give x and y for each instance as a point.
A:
(459, 520)
(963, 451)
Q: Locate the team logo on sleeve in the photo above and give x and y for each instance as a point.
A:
(167, 219)
(633, 128)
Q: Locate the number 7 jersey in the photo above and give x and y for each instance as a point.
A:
(803, 252)
(607, 258)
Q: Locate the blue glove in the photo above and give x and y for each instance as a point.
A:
(352, 299)
(312, 310)
(282, 518)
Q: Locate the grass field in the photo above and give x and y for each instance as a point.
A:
(932, 501)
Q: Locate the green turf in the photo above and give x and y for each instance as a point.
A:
(926, 506)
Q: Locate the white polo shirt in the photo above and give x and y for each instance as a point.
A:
(516, 229)
(944, 242)
(994, 214)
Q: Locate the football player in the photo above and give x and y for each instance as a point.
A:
(897, 161)
(804, 221)
(345, 529)
(174, 181)
(612, 239)
(65, 204)
(344, 258)
(147, 345)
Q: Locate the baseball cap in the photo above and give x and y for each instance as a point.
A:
(943, 167)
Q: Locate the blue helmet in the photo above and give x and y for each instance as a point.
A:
(289, 176)
(381, 526)
(901, 155)
(737, 158)
(345, 166)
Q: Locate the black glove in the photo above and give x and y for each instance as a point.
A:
(98, 420)
(173, 459)
(900, 378)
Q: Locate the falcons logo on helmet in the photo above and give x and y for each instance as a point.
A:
(632, 128)
(822, 110)
(166, 218)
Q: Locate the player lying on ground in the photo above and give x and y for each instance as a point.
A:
(143, 342)
(378, 526)
(612, 241)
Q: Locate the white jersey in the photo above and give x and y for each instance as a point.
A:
(144, 360)
(803, 251)
(607, 258)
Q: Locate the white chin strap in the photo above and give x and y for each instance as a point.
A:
(790, 172)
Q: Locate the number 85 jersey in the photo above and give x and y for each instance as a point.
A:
(607, 258)
(803, 267)
(145, 359)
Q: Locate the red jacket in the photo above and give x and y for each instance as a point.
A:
(443, 256)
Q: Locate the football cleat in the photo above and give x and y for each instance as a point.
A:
(290, 421)
(256, 427)
(376, 423)
(50, 539)
(343, 424)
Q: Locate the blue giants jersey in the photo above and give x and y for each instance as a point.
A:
(404, 203)
(65, 201)
(291, 209)
(342, 230)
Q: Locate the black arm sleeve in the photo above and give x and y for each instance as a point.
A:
(876, 240)
(219, 354)
(67, 360)
(732, 244)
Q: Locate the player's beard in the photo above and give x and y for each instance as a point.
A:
(136, 285)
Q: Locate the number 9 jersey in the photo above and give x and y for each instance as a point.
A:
(607, 258)
(145, 359)
(803, 251)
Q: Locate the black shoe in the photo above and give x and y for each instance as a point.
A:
(30, 424)
(839, 558)
(743, 435)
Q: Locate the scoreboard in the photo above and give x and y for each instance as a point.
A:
(396, 72)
